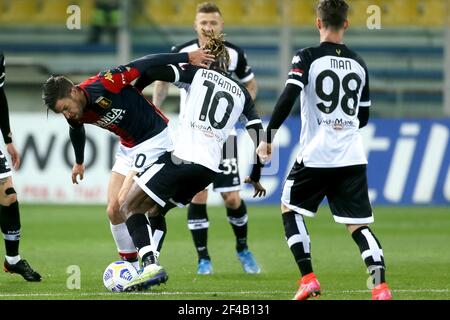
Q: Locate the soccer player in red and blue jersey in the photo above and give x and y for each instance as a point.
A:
(108, 100)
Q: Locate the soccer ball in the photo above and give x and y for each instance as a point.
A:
(117, 275)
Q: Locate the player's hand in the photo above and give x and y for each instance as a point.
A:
(259, 189)
(201, 58)
(15, 156)
(77, 170)
(264, 151)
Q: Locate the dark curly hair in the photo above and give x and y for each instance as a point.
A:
(216, 46)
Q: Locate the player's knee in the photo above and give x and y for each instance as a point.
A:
(284, 209)
(353, 227)
(9, 196)
(232, 199)
(124, 211)
(121, 200)
(113, 211)
(201, 197)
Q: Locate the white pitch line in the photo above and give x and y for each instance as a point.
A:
(175, 293)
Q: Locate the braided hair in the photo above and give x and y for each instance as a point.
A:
(216, 46)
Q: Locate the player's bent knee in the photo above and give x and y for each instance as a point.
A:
(8, 197)
(201, 197)
(284, 209)
(124, 211)
(113, 211)
(353, 227)
(232, 199)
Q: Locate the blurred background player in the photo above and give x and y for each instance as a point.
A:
(9, 210)
(335, 100)
(105, 19)
(209, 17)
(195, 162)
(110, 102)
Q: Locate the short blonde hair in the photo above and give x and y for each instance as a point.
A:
(208, 7)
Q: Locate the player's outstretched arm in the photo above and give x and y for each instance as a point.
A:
(281, 111)
(15, 156)
(256, 131)
(363, 116)
(78, 138)
(199, 57)
(160, 92)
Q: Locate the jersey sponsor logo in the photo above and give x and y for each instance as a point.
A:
(111, 117)
(336, 124)
(108, 76)
(206, 130)
(103, 102)
(338, 51)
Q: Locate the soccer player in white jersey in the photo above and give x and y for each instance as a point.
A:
(215, 102)
(334, 86)
(228, 183)
(9, 206)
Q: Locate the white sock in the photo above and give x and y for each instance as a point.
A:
(123, 240)
(12, 260)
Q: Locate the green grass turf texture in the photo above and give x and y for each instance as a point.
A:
(415, 243)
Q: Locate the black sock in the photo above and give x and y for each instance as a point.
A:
(10, 226)
(297, 237)
(239, 220)
(371, 252)
(139, 230)
(159, 230)
(198, 224)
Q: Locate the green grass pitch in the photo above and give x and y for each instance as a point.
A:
(415, 243)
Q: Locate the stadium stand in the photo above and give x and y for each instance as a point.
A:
(52, 12)
(357, 14)
(398, 12)
(18, 11)
(158, 12)
(406, 64)
(261, 13)
(302, 13)
(232, 11)
(432, 13)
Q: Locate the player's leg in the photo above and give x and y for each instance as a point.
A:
(372, 254)
(302, 193)
(350, 205)
(238, 219)
(198, 224)
(142, 157)
(10, 227)
(133, 211)
(124, 243)
(151, 193)
(158, 227)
